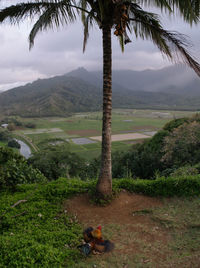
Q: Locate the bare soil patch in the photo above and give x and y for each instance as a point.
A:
(83, 132)
(123, 137)
(135, 235)
(120, 210)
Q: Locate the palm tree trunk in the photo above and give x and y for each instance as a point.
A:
(104, 185)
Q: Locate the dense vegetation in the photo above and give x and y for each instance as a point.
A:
(58, 161)
(15, 170)
(6, 138)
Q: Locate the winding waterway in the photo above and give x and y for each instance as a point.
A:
(24, 149)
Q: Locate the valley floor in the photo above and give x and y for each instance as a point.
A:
(82, 131)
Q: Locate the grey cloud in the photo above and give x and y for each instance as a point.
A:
(58, 52)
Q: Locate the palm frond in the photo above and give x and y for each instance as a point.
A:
(19, 12)
(179, 45)
(146, 25)
(188, 9)
(55, 14)
(162, 4)
(172, 44)
(121, 42)
(87, 23)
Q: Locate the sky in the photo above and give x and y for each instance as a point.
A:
(60, 51)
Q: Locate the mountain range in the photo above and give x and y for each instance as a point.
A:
(176, 79)
(173, 87)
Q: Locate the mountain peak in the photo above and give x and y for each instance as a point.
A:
(77, 72)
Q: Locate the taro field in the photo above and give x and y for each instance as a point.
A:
(82, 131)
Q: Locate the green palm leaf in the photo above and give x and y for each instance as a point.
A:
(172, 44)
(189, 9)
(55, 15)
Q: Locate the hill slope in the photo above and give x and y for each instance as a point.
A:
(175, 79)
(59, 95)
(80, 91)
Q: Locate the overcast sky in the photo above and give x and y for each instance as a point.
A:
(58, 52)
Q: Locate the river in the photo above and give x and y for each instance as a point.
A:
(24, 149)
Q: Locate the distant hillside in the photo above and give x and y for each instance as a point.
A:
(81, 91)
(59, 95)
(176, 79)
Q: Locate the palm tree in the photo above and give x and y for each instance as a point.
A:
(124, 16)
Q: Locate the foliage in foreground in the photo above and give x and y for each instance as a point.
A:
(14, 170)
(39, 233)
(57, 161)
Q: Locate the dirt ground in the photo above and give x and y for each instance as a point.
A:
(123, 137)
(134, 234)
(119, 211)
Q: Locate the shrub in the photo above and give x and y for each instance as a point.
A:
(4, 135)
(166, 187)
(58, 161)
(170, 126)
(30, 125)
(11, 127)
(184, 171)
(15, 170)
(142, 161)
(182, 146)
(13, 144)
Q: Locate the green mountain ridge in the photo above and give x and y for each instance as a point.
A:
(80, 91)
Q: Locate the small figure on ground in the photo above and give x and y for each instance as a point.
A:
(94, 242)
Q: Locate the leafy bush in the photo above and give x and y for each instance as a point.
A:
(13, 144)
(15, 170)
(182, 146)
(11, 127)
(170, 126)
(166, 187)
(142, 161)
(30, 125)
(184, 171)
(58, 161)
(4, 134)
(177, 145)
